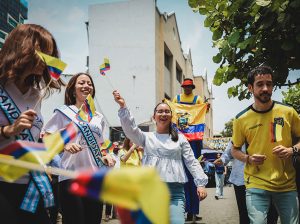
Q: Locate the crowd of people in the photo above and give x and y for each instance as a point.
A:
(265, 145)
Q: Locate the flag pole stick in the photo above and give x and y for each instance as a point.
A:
(38, 167)
(41, 97)
(113, 88)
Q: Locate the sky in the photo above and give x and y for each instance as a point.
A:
(65, 19)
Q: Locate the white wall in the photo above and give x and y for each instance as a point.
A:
(124, 32)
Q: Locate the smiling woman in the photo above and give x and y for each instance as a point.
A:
(165, 150)
(82, 153)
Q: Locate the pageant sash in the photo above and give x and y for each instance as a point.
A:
(39, 184)
(86, 132)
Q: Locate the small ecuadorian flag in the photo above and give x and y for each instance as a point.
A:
(55, 142)
(129, 189)
(107, 147)
(55, 65)
(105, 66)
(87, 110)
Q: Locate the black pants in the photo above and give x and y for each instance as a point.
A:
(11, 197)
(297, 167)
(78, 210)
(53, 211)
(240, 195)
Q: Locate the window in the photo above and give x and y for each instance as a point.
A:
(21, 19)
(11, 21)
(2, 35)
(178, 73)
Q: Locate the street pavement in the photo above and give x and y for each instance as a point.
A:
(212, 211)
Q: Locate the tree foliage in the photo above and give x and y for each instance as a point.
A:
(227, 132)
(292, 97)
(249, 33)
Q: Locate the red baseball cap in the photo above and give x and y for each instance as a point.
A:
(188, 82)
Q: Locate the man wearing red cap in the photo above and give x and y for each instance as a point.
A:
(187, 97)
(191, 197)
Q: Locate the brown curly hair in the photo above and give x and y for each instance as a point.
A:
(70, 98)
(18, 55)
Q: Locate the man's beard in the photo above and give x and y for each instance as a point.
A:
(263, 98)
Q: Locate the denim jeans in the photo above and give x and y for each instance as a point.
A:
(219, 184)
(177, 203)
(258, 203)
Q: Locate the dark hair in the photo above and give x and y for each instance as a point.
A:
(172, 131)
(70, 98)
(18, 54)
(260, 70)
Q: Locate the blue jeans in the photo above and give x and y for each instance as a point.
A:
(219, 184)
(176, 203)
(258, 204)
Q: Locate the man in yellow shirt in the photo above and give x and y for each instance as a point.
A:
(192, 200)
(267, 127)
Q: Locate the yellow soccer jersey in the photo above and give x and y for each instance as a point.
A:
(188, 99)
(262, 131)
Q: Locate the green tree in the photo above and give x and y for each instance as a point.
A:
(292, 97)
(249, 33)
(227, 132)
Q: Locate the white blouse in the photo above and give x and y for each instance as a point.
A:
(84, 159)
(161, 152)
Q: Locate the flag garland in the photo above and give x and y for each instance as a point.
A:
(128, 188)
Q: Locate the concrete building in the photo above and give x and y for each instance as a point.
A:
(146, 59)
(12, 13)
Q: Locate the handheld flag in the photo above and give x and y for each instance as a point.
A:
(107, 147)
(188, 119)
(87, 110)
(55, 65)
(105, 66)
(128, 188)
(55, 142)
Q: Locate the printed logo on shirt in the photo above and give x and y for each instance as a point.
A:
(255, 126)
(279, 121)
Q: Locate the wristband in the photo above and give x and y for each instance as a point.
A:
(295, 150)
(2, 132)
(247, 160)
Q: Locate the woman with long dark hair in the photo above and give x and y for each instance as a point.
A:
(165, 150)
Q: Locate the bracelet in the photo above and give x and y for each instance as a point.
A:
(295, 150)
(2, 132)
(247, 160)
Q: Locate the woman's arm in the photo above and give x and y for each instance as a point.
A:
(131, 130)
(192, 163)
(128, 153)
